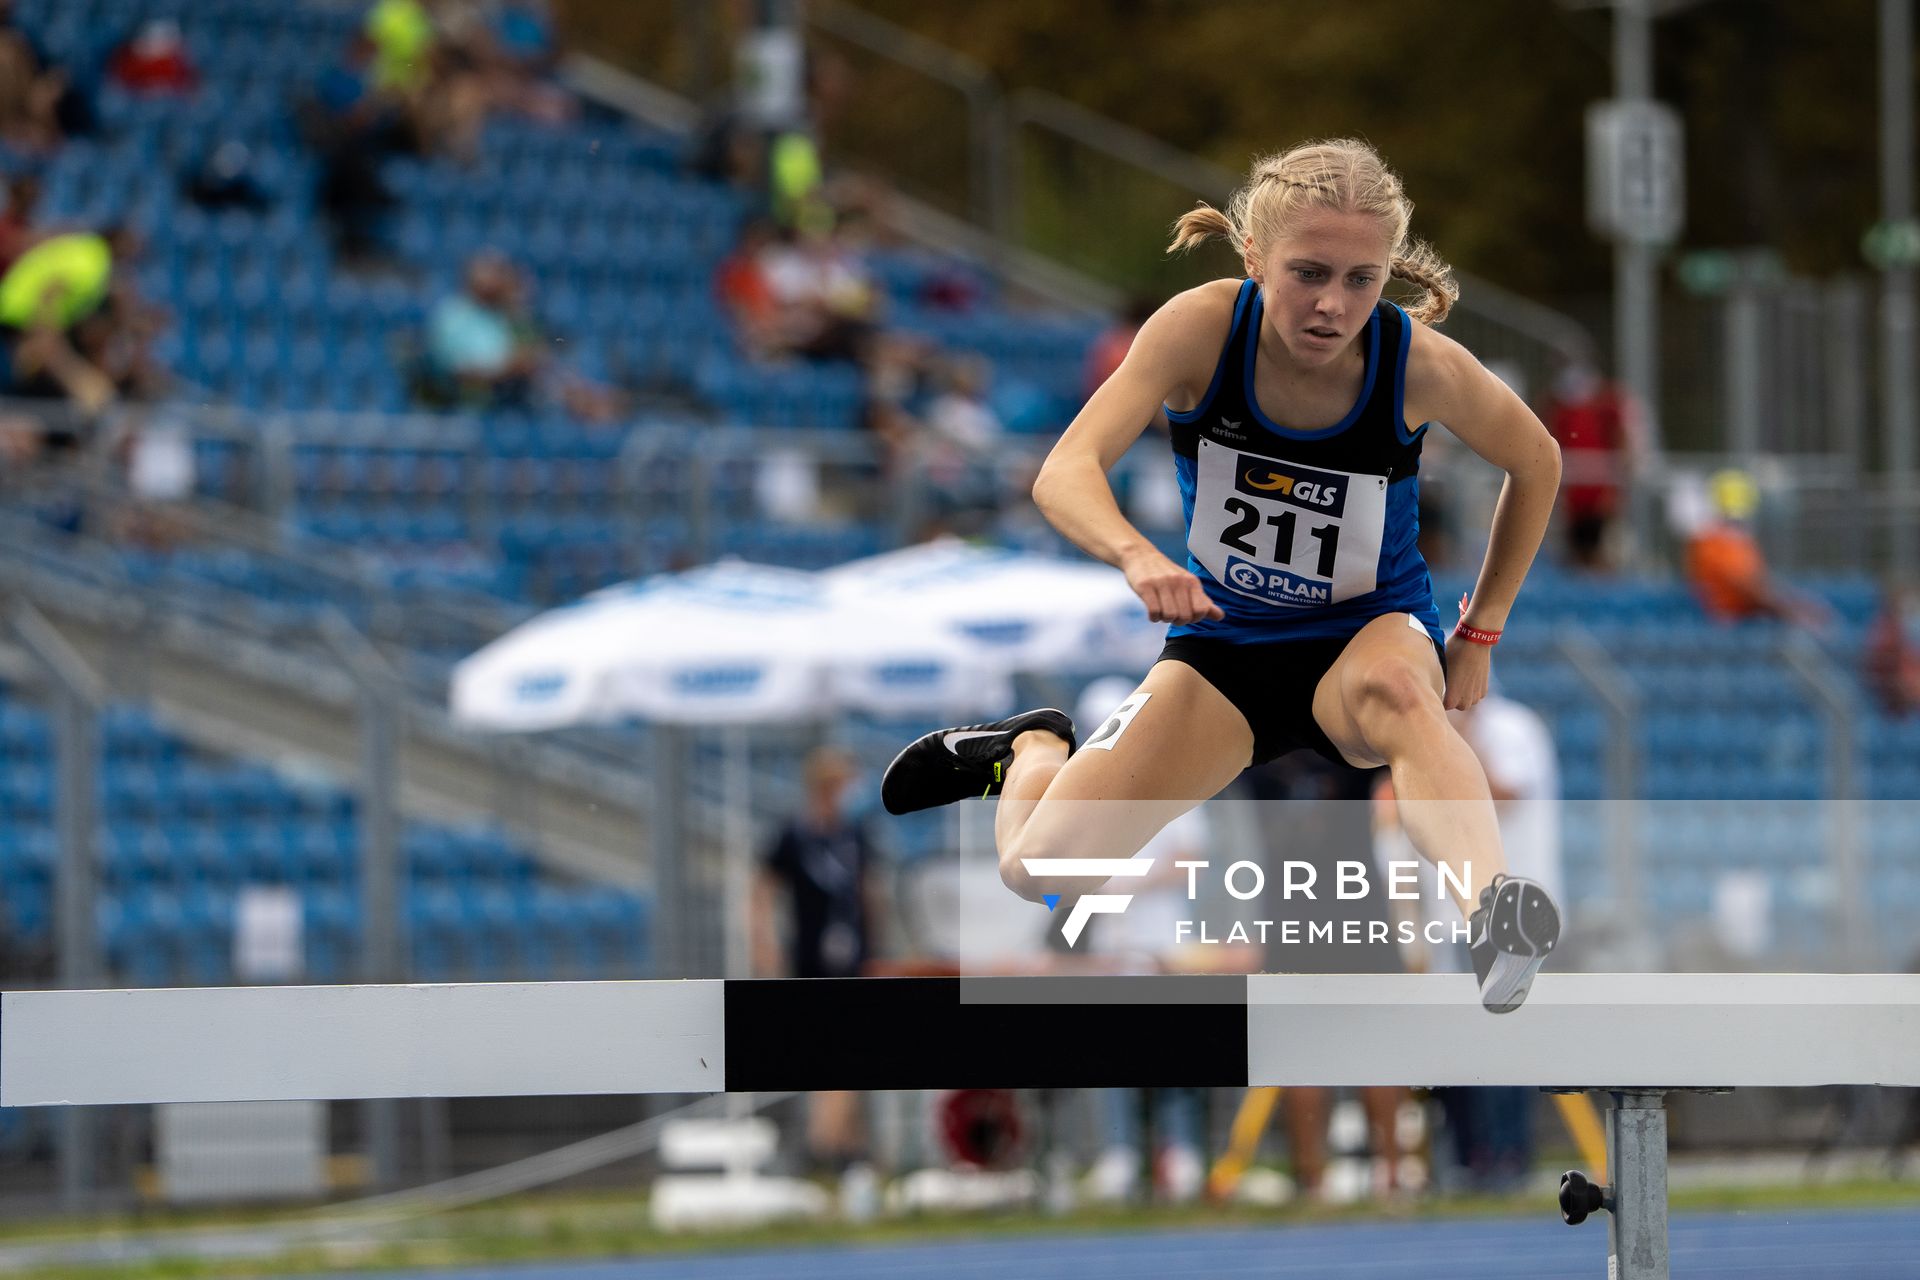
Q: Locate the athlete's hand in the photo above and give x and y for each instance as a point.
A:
(1170, 593)
(1469, 668)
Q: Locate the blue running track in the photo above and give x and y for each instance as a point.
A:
(1876, 1245)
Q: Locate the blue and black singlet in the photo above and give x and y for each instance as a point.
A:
(1303, 534)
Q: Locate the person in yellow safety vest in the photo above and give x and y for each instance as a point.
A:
(50, 289)
(402, 35)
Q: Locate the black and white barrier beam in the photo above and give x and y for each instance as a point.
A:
(1600, 1031)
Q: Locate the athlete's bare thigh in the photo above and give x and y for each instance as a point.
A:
(1181, 746)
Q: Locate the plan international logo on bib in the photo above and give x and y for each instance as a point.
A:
(1276, 585)
(1317, 491)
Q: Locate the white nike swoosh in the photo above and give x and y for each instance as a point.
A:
(953, 739)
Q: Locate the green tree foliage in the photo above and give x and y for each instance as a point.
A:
(1478, 103)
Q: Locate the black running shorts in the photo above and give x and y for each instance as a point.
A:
(1272, 685)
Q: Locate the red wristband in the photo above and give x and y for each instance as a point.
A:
(1475, 634)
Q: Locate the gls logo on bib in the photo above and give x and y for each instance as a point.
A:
(1316, 491)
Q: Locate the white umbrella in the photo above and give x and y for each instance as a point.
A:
(733, 643)
(1030, 612)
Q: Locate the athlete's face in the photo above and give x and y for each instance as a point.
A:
(1320, 282)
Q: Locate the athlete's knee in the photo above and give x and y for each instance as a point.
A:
(1013, 870)
(1042, 840)
(1392, 687)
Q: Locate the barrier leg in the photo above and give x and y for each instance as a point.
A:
(1637, 1157)
(1637, 1198)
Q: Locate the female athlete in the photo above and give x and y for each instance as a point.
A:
(1304, 615)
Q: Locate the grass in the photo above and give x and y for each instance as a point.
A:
(606, 1225)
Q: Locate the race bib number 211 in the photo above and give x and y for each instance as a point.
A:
(1289, 535)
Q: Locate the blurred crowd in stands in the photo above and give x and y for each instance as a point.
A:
(800, 288)
(420, 80)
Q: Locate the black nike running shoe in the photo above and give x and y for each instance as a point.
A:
(1514, 930)
(971, 760)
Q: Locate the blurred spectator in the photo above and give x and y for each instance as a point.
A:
(18, 199)
(825, 869)
(960, 416)
(1602, 440)
(825, 303)
(795, 183)
(508, 45)
(410, 89)
(482, 347)
(726, 148)
(1726, 568)
(155, 61)
(450, 65)
(741, 285)
(484, 351)
(824, 865)
(896, 378)
(60, 105)
(44, 296)
(225, 180)
(27, 118)
(1111, 347)
(401, 35)
(1892, 657)
(352, 131)
(118, 341)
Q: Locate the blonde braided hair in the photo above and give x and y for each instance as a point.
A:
(1339, 173)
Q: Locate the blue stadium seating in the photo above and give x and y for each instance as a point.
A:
(183, 833)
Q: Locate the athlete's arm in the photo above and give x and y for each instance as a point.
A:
(1446, 384)
(1173, 355)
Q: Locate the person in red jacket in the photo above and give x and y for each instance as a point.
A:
(155, 61)
(1602, 437)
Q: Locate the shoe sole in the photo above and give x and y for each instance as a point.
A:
(1536, 925)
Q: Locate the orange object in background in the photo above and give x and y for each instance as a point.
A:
(1727, 571)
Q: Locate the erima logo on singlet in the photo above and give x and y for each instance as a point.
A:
(1296, 486)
